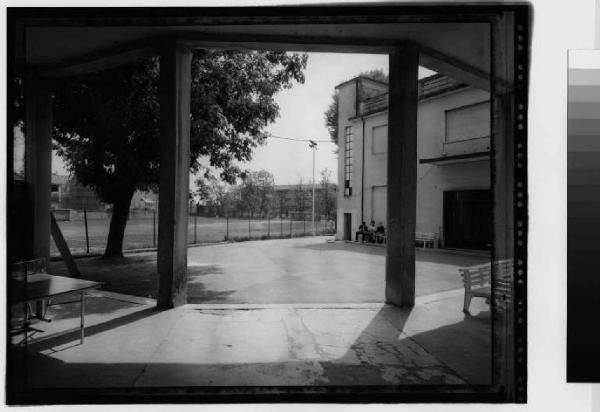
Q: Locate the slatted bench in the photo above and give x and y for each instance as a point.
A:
(477, 283)
(426, 239)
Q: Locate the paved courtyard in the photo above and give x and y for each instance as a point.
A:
(131, 344)
(300, 270)
(303, 311)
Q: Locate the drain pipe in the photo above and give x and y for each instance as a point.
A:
(362, 175)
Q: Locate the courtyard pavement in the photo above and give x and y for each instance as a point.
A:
(295, 312)
(129, 343)
(299, 270)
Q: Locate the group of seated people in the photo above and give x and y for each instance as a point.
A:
(371, 233)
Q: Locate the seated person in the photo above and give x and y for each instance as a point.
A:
(380, 233)
(362, 230)
(371, 232)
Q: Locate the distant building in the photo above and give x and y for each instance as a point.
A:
(144, 201)
(67, 193)
(454, 197)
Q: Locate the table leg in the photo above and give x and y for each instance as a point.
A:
(40, 309)
(82, 314)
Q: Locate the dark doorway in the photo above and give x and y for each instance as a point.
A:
(468, 219)
(347, 226)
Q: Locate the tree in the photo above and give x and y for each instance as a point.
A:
(256, 191)
(300, 197)
(327, 200)
(107, 123)
(331, 114)
(216, 195)
(280, 198)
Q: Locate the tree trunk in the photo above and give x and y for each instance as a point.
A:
(118, 221)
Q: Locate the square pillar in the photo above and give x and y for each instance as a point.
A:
(175, 81)
(402, 176)
(38, 165)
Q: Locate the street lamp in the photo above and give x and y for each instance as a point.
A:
(313, 145)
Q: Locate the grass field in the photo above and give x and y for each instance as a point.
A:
(142, 232)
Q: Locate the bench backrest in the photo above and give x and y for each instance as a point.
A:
(481, 275)
(476, 276)
(421, 236)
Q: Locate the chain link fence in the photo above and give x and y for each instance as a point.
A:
(86, 232)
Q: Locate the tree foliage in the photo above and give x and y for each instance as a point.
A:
(107, 123)
(253, 196)
(216, 195)
(256, 192)
(331, 115)
(300, 196)
(327, 200)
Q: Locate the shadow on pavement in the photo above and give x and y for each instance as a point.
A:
(353, 247)
(94, 329)
(385, 354)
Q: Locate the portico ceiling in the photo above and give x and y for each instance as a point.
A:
(92, 38)
(468, 42)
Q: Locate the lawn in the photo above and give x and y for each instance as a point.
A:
(141, 231)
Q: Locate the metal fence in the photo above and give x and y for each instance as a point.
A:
(86, 232)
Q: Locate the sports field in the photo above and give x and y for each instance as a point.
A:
(142, 231)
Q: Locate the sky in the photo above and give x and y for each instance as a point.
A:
(302, 111)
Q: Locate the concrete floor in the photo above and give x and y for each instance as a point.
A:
(310, 270)
(299, 270)
(277, 312)
(131, 344)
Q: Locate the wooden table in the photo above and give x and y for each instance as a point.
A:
(41, 287)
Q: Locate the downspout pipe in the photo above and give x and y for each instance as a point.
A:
(362, 174)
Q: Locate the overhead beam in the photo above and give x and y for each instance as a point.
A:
(101, 60)
(283, 42)
(138, 49)
(457, 69)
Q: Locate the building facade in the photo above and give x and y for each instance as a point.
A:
(454, 197)
(67, 193)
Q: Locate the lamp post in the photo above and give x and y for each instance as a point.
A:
(313, 145)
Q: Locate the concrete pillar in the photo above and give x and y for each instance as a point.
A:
(175, 78)
(402, 176)
(38, 165)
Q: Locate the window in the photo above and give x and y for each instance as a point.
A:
(348, 161)
(380, 138)
(468, 122)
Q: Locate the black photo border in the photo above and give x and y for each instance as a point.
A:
(513, 390)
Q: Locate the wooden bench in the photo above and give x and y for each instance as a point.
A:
(426, 239)
(477, 283)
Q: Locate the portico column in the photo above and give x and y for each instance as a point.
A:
(175, 78)
(38, 165)
(402, 176)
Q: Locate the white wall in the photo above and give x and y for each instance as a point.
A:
(348, 204)
(433, 180)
